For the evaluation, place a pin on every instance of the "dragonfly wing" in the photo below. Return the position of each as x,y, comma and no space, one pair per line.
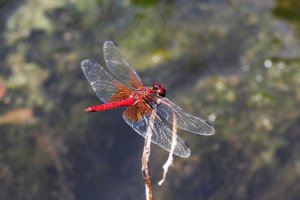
119,67
138,117
105,86
184,120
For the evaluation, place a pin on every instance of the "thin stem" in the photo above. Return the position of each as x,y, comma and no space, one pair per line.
145,159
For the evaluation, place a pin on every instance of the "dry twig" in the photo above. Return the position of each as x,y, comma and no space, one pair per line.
146,155
145,159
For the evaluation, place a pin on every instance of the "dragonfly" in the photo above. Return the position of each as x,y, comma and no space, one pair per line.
119,85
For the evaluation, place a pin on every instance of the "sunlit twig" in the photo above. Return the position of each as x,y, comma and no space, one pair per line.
169,162
145,159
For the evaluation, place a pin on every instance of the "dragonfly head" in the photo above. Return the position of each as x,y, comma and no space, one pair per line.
159,89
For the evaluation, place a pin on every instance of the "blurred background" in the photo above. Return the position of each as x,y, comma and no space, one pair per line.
233,62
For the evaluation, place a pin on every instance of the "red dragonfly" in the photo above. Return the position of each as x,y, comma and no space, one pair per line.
121,86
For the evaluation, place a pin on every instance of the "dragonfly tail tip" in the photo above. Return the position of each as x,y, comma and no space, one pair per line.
89,109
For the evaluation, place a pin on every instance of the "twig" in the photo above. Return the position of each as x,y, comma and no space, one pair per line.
169,162
145,159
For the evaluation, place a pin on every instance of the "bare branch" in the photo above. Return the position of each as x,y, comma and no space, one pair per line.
145,159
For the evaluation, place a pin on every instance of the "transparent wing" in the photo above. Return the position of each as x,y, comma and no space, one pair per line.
138,117
106,87
184,120
119,66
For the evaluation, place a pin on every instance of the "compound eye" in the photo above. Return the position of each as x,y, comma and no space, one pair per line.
161,90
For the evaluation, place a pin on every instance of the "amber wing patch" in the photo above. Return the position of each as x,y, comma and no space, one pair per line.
137,111
122,93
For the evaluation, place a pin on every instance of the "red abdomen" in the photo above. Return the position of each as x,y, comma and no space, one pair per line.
126,102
